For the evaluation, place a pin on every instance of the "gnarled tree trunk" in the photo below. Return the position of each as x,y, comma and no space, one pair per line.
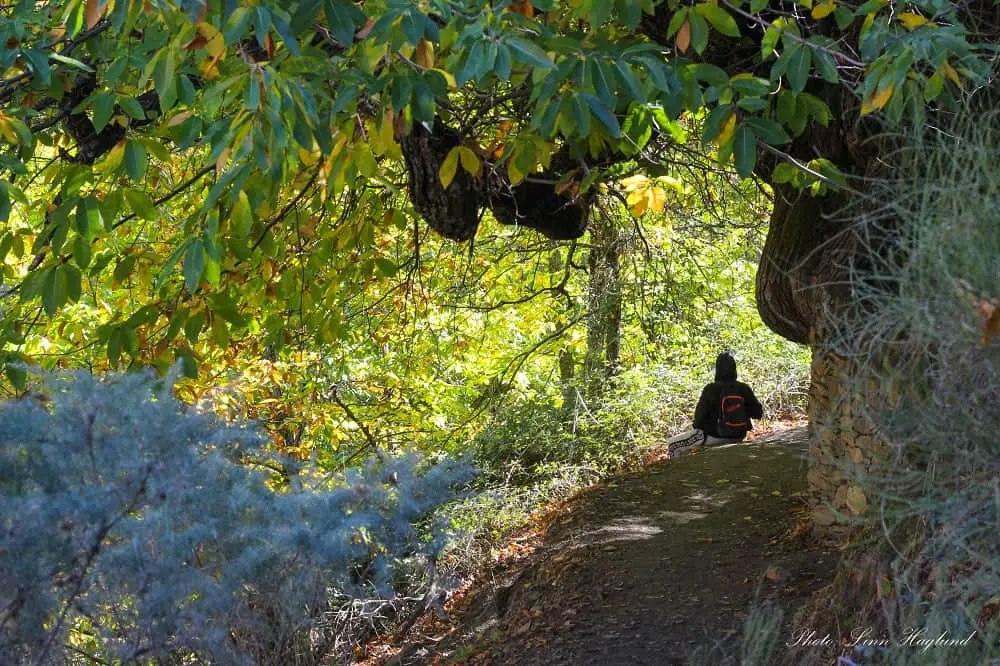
803,287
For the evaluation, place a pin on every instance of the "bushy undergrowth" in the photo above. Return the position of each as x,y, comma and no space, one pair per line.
136,529
925,332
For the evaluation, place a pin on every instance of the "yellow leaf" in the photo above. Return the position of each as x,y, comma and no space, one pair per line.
683,38
950,72
728,129
912,21
675,184
385,131
208,69
115,156
635,182
448,76
424,55
877,100
657,199
470,162
449,167
308,158
823,10
638,201
8,131
514,175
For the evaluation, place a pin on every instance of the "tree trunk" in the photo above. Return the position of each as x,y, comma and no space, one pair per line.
604,303
567,381
803,287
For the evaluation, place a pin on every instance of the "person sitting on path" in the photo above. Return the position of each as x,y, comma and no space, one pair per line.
723,413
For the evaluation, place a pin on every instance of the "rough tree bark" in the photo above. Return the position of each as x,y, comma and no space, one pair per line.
604,306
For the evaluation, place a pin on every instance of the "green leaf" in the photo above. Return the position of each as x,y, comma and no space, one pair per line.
386,267
711,74
752,104
714,123
54,291
220,333
339,18
39,61
783,173
88,217
135,160
16,376
142,205
72,62
81,252
699,31
504,62
602,82
124,268
768,131
529,53
241,216
193,326
676,21
104,108
751,86
223,305
826,66
194,264
629,81
168,266
189,366
769,42
74,286
745,150
115,341
787,106
815,108
798,68
720,19
581,114
603,115
5,205
844,17
131,106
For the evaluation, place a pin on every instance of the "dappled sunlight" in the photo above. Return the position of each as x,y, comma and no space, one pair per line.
714,501
632,528
681,517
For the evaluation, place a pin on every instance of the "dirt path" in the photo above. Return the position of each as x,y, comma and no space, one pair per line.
649,567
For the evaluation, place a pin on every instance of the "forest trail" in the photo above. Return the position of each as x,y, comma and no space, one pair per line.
646,568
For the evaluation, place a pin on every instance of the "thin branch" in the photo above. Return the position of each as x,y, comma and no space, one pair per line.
790,35
372,443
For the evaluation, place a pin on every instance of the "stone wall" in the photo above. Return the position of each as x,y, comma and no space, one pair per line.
843,441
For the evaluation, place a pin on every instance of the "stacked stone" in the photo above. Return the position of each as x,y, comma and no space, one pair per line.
844,442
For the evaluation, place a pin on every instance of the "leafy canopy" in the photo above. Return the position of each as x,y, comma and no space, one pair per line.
198,171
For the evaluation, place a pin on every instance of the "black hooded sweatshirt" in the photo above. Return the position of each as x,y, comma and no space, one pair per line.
706,414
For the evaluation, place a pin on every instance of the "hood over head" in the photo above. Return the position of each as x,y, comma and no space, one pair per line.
725,368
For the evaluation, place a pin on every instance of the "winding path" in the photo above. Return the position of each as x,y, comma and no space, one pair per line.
653,567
